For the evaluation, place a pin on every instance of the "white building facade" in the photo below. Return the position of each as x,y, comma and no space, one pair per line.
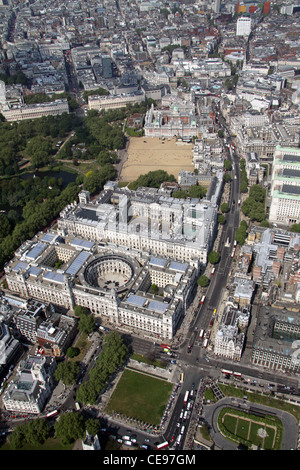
285,189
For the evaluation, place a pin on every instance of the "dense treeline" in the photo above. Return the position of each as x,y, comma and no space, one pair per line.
38,215
70,427
17,78
152,179
194,191
112,356
243,176
99,91
33,139
254,206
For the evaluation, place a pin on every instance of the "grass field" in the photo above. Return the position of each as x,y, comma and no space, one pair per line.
141,397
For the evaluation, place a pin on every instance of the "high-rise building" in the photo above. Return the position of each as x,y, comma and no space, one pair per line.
243,26
216,6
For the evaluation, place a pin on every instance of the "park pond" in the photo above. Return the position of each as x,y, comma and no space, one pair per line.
66,176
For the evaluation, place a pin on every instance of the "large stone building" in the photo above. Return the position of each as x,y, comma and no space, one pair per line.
285,189
32,385
16,110
171,122
98,102
276,340
112,250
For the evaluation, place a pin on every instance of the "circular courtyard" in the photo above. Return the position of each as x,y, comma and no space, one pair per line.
109,272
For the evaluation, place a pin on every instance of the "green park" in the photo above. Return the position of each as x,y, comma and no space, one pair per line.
141,397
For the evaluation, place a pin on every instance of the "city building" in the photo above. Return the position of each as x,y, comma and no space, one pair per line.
231,334
27,320
113,249
243,26
10,348
31,386
276,340
18,111
170,123
285,188
114,101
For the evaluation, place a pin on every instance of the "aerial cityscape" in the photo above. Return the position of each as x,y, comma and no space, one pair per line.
150,226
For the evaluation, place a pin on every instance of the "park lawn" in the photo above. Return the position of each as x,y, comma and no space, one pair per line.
230,423
49,444
141,397
243,428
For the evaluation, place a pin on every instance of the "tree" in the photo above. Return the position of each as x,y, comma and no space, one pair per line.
67,372
79,310
5,226
221,219
196,191
112,356
241,233
213,257
34,433
203,281
86,324
227,165
72,352
92,426
224,207
227,177
152,179
154,289
295,228
70,427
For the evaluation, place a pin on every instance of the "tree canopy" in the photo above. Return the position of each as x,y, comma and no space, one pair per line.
254,206
70,427
112,356
152,179
213,257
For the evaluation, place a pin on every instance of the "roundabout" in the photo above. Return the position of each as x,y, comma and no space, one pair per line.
280,421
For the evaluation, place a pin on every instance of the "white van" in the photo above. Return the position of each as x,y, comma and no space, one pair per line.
182,429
